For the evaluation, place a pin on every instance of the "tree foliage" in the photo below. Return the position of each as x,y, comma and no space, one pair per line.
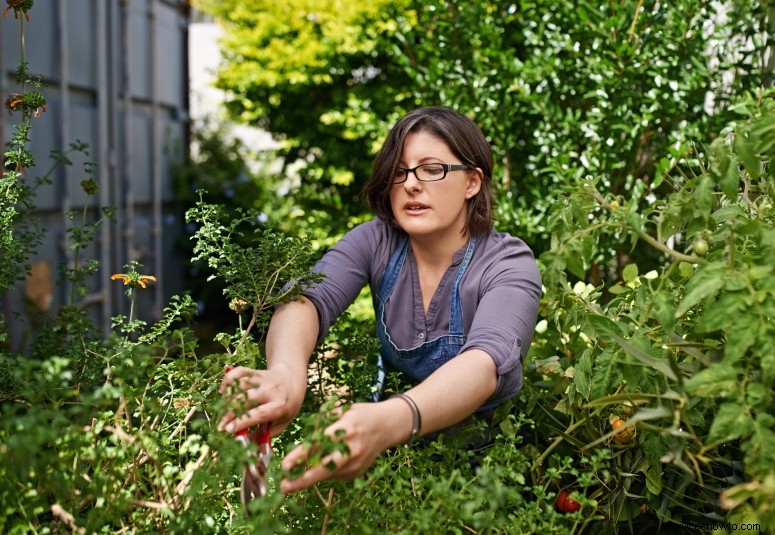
316,75
562,90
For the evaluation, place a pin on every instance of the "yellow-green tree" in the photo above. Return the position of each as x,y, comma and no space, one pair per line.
318,74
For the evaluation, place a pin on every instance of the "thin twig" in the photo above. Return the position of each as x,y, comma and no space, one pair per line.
120,433
181,488
411,477
184,422
63,515
326,504
634,21
148,504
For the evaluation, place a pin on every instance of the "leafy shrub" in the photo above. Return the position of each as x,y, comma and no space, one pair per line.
681,353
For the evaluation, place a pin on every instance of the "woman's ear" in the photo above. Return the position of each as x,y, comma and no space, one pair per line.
474,182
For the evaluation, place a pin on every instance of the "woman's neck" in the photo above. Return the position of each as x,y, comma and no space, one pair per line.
434,253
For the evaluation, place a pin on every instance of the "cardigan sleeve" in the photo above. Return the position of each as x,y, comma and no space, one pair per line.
504,321
347,267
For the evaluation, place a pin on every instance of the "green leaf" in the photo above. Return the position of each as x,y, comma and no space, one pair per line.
760,449
740,337
763,131
723,168
730,181
645,358
767,347
725,313
745,151
706,283
727,212
719,159
582,377
617,289
704,195
607,372
664,310
732,421
630,272
758,395
654,479
603,326
575,264
716,381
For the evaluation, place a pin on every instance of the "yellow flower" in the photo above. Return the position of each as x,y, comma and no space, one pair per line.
135,280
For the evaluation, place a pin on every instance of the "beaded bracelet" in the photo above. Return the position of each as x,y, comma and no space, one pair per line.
416,417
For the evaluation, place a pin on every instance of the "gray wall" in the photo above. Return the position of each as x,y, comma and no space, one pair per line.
116,78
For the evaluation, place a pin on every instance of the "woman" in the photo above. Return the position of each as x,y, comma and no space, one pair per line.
455,301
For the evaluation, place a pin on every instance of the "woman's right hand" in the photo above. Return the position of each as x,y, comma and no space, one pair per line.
268,396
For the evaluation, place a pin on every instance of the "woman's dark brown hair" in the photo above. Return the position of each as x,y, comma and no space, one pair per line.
464,138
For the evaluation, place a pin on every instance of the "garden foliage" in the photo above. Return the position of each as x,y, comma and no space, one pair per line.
648,394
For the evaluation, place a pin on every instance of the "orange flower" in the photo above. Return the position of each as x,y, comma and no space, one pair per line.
14,102
135,280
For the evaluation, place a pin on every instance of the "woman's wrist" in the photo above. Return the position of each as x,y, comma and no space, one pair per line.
416,417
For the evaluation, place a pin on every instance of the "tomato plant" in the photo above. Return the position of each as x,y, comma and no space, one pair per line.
682,336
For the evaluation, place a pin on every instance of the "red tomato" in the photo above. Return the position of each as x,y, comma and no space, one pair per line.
565,503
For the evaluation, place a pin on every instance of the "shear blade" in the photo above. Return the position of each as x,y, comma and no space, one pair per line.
253,485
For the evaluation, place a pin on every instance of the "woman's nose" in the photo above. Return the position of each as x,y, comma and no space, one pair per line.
412,182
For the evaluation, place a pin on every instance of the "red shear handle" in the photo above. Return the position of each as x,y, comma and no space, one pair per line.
262,435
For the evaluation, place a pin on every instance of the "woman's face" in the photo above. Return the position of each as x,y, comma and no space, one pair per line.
432,209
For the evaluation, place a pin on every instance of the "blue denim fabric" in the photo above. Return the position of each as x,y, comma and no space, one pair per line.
418,362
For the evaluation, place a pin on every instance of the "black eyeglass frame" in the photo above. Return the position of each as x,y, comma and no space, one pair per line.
448,167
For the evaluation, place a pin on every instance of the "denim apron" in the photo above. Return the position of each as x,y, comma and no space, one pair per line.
418,362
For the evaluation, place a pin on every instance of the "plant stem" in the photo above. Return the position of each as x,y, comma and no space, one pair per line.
131,306
77,260
665,249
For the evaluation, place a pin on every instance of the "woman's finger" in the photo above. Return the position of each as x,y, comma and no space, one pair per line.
230,375
327,468
242,387
296,457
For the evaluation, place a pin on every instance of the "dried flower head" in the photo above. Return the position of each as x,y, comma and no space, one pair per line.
90,186
18,6
238,305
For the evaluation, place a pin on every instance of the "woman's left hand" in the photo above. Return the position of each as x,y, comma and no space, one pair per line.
369,429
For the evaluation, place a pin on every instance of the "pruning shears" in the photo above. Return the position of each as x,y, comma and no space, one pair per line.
254,484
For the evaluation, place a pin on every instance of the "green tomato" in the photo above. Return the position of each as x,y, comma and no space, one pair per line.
700,247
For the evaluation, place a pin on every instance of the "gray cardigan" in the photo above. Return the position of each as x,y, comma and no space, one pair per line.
500,293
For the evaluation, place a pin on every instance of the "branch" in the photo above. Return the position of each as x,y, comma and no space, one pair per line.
667,250
62,514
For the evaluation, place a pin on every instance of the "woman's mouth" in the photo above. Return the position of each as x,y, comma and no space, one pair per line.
415,207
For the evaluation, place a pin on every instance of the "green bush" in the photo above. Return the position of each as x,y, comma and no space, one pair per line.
683,353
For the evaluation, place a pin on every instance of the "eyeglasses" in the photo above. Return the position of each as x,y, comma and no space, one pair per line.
428,172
